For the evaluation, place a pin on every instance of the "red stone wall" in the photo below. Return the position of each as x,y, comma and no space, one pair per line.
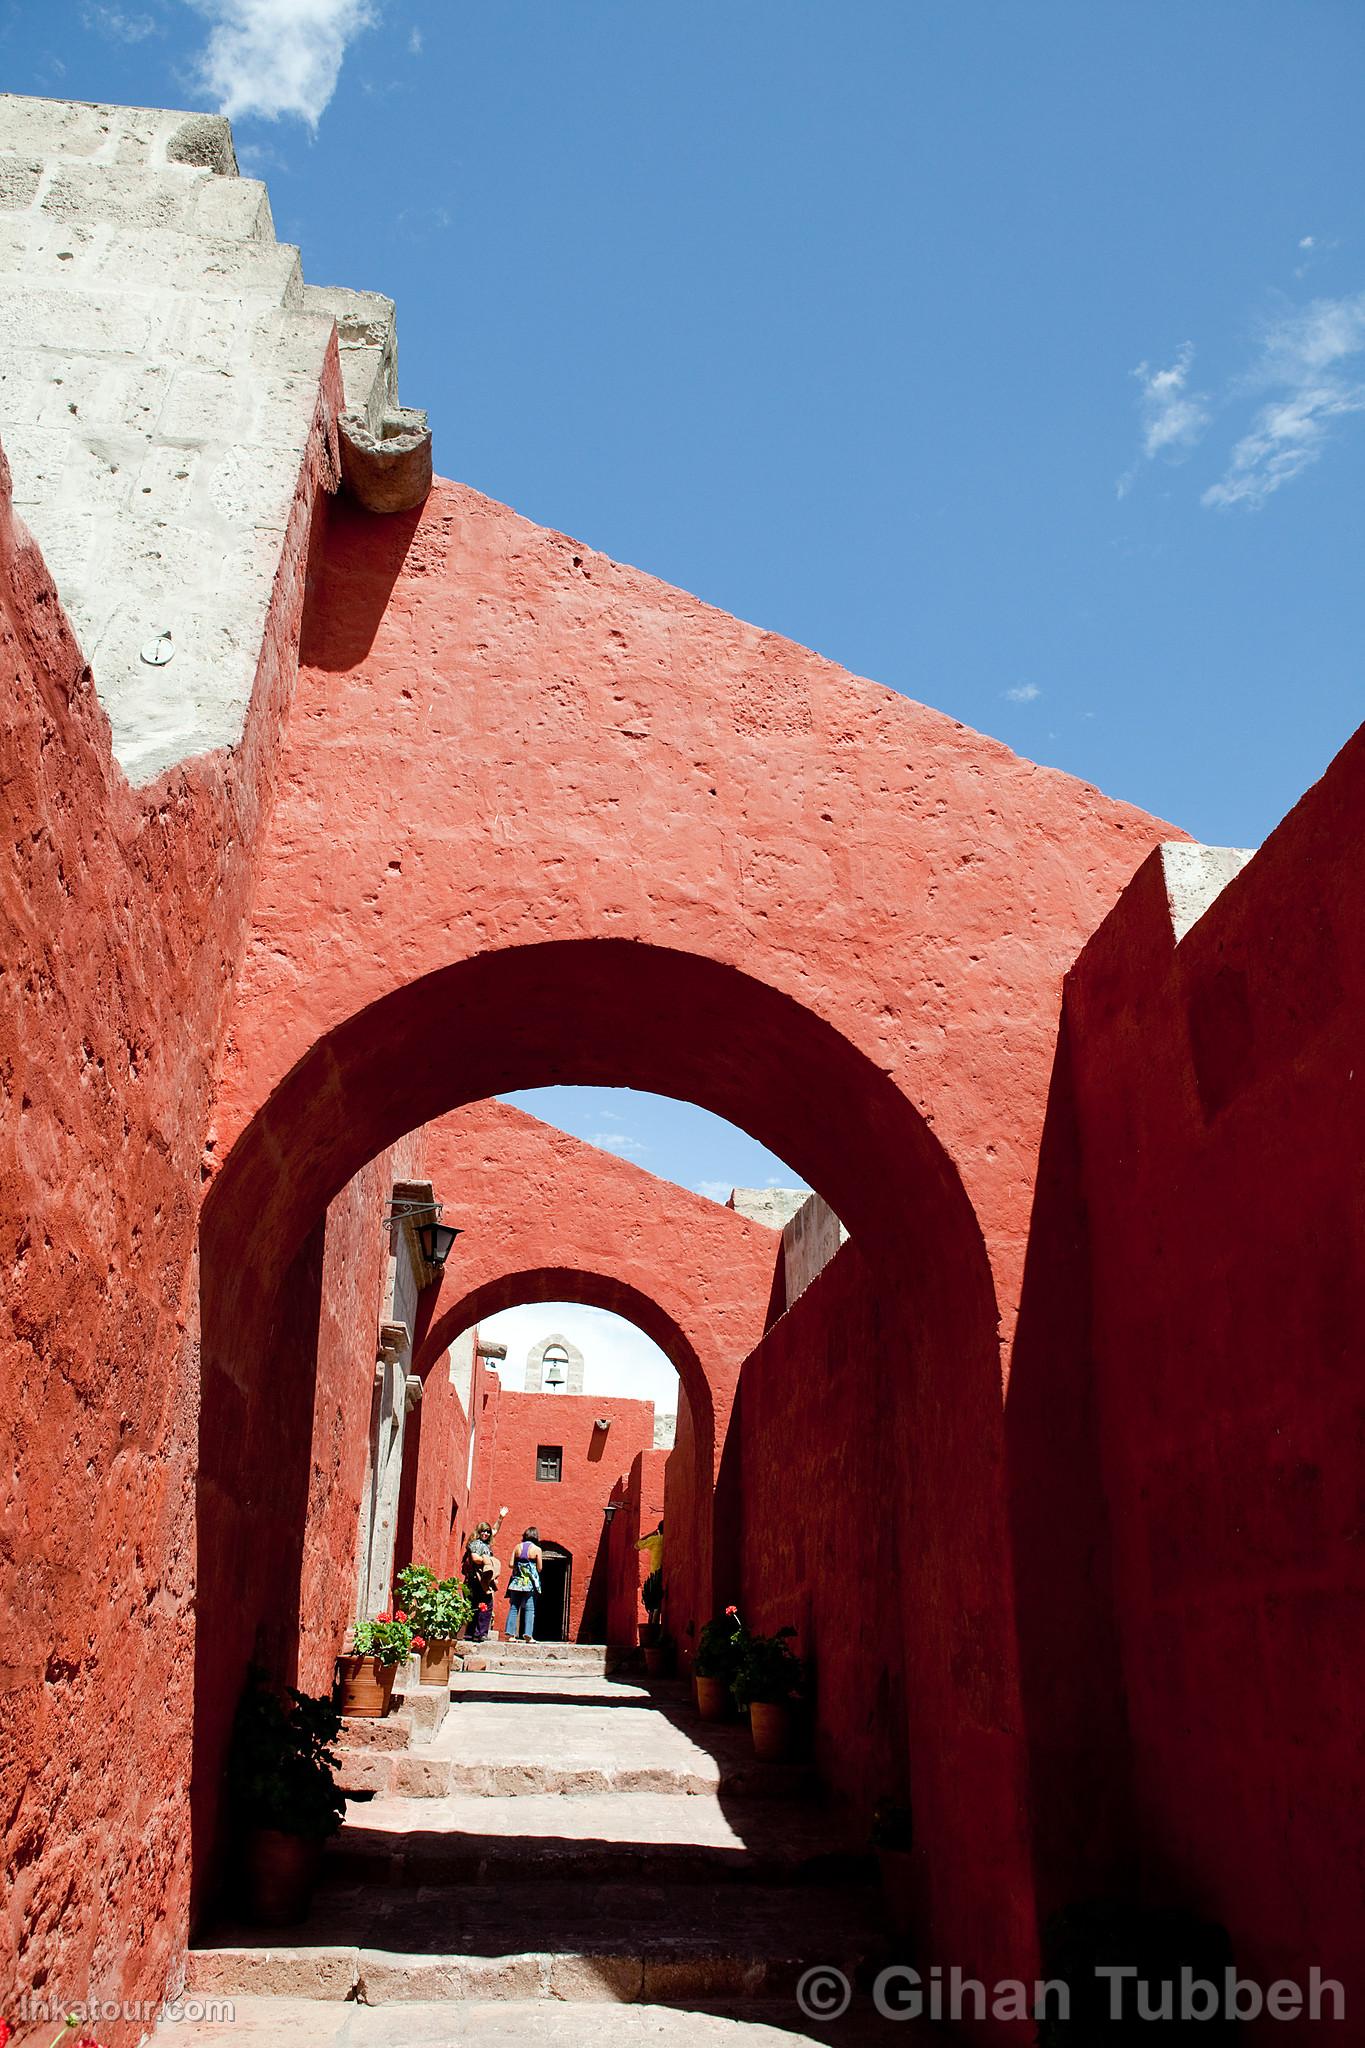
347,1313
820,1540
123,914
569,1512
1221,1095
640,1511
436,1463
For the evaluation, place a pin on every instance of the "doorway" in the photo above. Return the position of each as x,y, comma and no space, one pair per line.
552,1608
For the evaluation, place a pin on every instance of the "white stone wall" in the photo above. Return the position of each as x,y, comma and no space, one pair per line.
773,1207
809,1242
161,365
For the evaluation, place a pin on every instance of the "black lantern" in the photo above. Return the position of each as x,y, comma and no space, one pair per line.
436,1240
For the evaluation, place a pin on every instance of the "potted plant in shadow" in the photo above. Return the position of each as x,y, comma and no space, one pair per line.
439,1611
769,1681
715,1663
893,1839
651,1630
366,1672
284,1797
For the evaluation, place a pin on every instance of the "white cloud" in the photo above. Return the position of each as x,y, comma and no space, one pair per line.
1024,693
715,1190
618,1141
415,42
1307,241
1309,360
112,21
617,1357
1173,416
277,57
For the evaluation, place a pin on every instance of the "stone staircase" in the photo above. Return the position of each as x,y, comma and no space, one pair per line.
562,1836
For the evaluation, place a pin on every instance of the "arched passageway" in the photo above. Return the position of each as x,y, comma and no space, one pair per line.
600,833
671,1022
562,1220
692,1469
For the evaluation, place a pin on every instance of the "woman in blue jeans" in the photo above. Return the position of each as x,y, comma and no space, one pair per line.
523,1586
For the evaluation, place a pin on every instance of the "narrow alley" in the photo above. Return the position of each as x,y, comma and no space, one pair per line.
563,1849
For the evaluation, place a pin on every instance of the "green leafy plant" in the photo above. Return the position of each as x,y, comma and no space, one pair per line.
719,1646
893,1825
768,1670
282,1766
1157,1942
438,1609
389,1638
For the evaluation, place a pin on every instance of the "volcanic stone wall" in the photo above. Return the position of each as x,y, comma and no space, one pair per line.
1219,1081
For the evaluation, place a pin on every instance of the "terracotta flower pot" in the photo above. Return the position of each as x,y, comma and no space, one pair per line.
770,1723
436,1662
364,1687
280,1872
713,1698
656,1659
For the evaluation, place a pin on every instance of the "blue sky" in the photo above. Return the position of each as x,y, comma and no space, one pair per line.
1011,354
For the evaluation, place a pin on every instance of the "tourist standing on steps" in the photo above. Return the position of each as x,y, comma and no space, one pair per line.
480,1570
523,1587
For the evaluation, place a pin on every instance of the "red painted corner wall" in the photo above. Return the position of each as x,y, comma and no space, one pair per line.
571,1511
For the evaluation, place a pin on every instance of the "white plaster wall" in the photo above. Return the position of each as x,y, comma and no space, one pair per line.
160,371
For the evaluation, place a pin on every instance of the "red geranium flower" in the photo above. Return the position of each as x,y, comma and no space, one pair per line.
6,2032
385,1616
89,2041
732,1610
419,1642
400,1616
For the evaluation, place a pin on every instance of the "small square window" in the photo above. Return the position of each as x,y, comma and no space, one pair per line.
549,1461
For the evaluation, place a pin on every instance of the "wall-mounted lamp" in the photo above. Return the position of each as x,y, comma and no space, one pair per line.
603,1423
435,1238
610,1509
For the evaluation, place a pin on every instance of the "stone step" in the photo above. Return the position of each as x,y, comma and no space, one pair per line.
553,1940
395,1770
614,1837
580,2022
499,1655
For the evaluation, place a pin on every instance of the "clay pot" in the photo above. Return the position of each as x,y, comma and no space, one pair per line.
770,1724
899,1889
713,1698
656,1659
436,1662
364,1687
279,1873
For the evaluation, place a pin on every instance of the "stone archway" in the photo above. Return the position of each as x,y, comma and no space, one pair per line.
651,1018
600,833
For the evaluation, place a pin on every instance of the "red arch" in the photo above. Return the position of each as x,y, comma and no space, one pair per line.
596,832
616,1012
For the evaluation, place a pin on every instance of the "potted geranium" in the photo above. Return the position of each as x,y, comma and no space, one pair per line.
439,1611
893,1838
715,1664
769,1679
366,1672
283,1794
68,2028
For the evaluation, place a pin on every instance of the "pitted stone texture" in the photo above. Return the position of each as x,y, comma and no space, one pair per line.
1196,877
244,1971
163,372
